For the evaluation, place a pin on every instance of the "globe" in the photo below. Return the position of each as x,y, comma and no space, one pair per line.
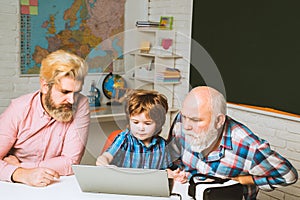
112,86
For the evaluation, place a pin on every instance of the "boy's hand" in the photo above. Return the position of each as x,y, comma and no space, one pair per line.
178,175
104,159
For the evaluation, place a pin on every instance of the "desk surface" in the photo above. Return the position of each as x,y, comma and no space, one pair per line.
68,188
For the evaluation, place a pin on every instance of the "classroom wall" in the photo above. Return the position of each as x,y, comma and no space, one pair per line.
12,85
283,134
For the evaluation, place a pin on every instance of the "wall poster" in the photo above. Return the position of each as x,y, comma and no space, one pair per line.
91,29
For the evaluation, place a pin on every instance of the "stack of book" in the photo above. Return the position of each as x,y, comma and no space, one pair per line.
146,24
170,75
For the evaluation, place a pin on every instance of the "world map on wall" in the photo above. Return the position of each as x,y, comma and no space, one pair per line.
89,28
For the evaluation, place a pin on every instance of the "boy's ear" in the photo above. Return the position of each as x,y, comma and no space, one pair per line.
220,121
44,86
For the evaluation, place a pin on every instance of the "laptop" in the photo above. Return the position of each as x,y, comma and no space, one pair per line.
127,181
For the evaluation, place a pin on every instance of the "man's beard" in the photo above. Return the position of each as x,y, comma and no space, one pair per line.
202,142
62,113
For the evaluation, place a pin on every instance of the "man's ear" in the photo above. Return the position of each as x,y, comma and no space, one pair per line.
220,121
44,86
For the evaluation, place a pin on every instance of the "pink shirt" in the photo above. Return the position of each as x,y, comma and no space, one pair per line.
37,140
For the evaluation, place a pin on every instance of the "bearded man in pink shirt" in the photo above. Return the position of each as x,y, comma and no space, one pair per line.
43,133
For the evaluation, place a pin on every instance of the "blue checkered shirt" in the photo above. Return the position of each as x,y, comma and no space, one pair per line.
128,151
241,152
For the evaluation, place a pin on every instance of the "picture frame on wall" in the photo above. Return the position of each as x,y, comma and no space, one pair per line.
166,22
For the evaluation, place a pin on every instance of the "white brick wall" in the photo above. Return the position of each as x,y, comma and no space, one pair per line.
11,85
283,134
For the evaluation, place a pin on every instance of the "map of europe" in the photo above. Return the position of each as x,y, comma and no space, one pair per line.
91,29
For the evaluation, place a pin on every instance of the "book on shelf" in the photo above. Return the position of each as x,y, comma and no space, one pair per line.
147,24
168,75
167,80
172,71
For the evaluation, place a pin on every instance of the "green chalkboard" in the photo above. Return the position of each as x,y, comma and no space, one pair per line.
256,47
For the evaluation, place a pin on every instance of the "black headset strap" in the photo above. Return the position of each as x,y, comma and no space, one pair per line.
215,179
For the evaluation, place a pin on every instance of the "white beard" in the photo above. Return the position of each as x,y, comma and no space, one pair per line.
201,142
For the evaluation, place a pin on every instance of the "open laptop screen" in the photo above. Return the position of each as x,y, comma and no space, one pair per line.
117,180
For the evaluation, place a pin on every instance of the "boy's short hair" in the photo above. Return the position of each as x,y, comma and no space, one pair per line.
150,102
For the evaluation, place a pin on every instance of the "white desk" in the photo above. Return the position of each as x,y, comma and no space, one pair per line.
67,188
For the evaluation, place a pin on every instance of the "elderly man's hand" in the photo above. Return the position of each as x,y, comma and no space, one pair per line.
178,175
244,180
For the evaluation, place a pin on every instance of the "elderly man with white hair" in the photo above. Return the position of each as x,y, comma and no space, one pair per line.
208,141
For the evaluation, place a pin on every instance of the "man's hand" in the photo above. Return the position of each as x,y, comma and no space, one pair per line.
244,180
38,177
12,160
178,175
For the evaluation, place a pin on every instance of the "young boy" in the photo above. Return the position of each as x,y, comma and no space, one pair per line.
140,145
